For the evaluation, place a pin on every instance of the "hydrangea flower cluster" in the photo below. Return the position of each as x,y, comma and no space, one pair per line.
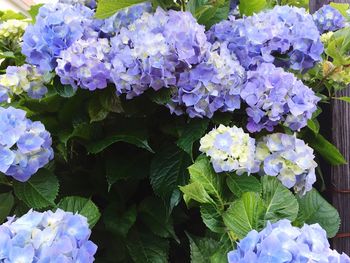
25,146
288,158
57,27
154,49
214,84
88,3
274,96
328,18
85,64
124,18
26,78
230,149
11,31
55,237
283,243
284,35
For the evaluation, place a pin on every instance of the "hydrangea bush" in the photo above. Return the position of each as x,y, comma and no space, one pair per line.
169,131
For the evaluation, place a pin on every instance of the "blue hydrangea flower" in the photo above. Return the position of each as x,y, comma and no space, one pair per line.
283,243
124,18
230,149
85,64
56,28
288,158
284,35
25,146
274,96
328,18
25,78
88,3
55,237
154,49
212,85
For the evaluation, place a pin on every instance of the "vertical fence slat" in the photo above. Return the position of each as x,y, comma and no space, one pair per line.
340,175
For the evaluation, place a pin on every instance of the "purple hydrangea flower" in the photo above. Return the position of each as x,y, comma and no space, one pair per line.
283,243
124,18
153,50
25,146
57,27
230,149
214,84
88,3
284,35
56,237
288,158
328,18
85,64
25,78
275,96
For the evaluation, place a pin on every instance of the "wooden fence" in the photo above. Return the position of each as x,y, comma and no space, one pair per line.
340,175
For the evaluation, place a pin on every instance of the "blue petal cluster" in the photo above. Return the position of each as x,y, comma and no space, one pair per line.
85,64
288,158
328,18
88,3
153,50
212,85
283,243
124,18
285,36
274,96
55,237
25,146
57,27
25,78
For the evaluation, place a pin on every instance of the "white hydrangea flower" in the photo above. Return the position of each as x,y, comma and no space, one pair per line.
230,149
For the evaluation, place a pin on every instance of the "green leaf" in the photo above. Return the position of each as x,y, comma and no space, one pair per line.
193,132
207,12
147,248
240,184
195,191
245,214
9,14
168,171
202,172
119,222
202,249
249,7
6,204
212,219
313,208
346,99
7,54
154,215
161,97
33,11
279,201
65,91
99,145
82,206
106,8
96,111
327,150
39,191
314,125
126,165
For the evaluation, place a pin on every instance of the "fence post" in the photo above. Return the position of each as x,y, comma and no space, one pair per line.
340,175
